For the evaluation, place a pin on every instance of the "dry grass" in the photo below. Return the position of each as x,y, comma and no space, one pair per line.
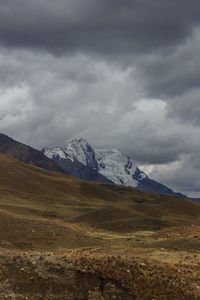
143,278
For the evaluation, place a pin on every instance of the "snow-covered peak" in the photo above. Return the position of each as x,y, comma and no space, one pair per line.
55,152
108,161
115,166
78,148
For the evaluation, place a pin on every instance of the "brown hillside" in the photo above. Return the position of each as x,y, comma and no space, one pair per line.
50,210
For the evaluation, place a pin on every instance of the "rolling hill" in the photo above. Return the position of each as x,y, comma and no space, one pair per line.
44,209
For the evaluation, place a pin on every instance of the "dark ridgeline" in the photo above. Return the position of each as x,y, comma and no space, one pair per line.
27,154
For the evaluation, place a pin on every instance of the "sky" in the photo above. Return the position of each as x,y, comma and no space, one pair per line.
118,72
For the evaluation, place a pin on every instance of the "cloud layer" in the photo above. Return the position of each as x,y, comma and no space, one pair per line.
125,73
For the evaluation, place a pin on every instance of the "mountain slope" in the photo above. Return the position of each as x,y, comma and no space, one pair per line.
38,201
106,161
26,154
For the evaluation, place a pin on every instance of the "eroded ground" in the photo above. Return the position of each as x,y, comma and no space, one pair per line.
159,265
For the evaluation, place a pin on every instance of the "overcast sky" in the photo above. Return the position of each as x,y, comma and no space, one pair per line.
119,72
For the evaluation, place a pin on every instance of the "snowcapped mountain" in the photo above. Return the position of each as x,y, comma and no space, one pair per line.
78,158
104,164
107,161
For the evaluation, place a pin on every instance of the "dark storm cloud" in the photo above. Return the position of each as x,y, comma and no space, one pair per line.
173,73
186,108
160,38
113,26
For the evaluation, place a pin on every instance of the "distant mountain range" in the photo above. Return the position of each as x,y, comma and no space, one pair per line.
105,164
78,158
